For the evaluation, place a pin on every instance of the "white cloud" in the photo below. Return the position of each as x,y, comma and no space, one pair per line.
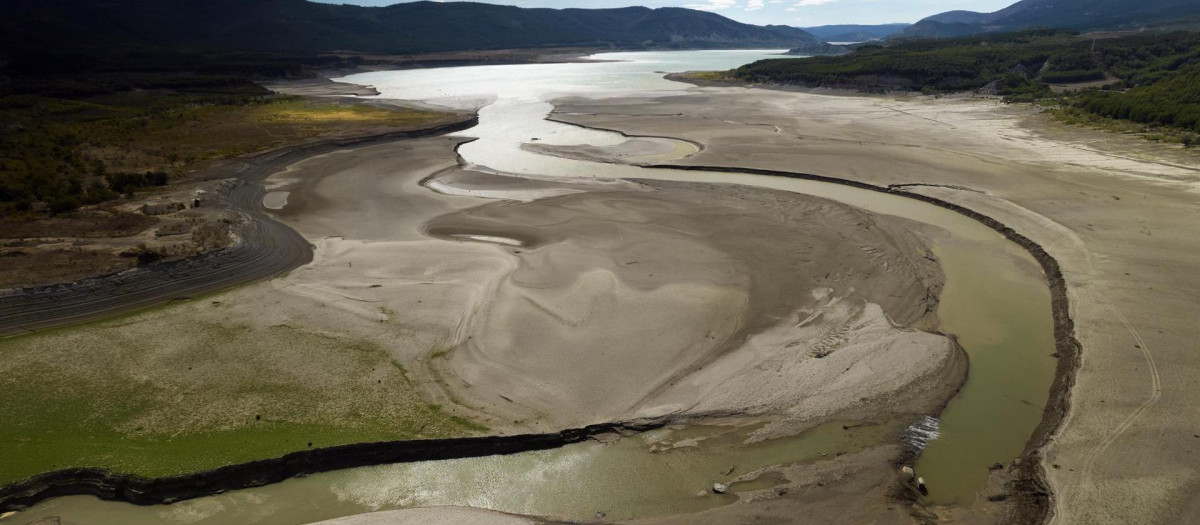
713,5
754,5
816,12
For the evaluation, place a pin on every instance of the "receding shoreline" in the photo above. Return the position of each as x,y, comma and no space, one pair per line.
269,248
1037,496
1033,497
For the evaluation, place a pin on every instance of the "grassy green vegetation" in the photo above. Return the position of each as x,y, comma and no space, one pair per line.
1157,75
186,387
58,153
708,76
1163,87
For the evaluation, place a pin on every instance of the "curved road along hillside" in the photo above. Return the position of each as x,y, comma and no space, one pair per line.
267,248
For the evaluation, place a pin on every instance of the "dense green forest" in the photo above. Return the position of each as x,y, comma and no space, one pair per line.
1155,78
940,65
300,26
59,151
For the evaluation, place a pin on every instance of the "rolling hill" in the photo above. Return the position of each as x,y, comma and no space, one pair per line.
1070,14
854,33
299,26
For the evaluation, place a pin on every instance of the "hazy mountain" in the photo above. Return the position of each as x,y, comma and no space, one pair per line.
299,26
1073,14
853,32
957,17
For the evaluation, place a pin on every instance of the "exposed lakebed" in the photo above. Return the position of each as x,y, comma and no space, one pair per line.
995,301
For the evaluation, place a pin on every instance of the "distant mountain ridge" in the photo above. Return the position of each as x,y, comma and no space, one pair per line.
854,32
299,26
1070,14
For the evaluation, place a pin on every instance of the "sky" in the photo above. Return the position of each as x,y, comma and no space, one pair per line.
785,12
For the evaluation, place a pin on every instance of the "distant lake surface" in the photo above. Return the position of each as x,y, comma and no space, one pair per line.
475,86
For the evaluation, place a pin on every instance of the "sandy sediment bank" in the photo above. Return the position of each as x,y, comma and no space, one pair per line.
633,150
1111,210
564,273
594,266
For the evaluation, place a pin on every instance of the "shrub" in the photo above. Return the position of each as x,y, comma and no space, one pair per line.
129,182
63,204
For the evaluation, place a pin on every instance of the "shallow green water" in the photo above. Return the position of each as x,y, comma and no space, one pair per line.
1002,317
996,302
657,473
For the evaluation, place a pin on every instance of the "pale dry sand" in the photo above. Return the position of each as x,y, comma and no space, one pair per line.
562,305
656,301
635,150
566,304
1120,214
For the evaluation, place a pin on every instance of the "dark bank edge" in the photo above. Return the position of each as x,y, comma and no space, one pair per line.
108,485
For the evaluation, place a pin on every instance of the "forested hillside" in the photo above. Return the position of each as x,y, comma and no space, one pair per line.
1155,77
300,26
855,32
1069,14
929,65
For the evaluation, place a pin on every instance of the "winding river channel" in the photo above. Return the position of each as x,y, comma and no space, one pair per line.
995,301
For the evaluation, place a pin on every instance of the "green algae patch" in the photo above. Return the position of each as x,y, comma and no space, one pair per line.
118,394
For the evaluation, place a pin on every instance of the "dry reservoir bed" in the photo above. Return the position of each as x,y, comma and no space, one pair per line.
435,313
